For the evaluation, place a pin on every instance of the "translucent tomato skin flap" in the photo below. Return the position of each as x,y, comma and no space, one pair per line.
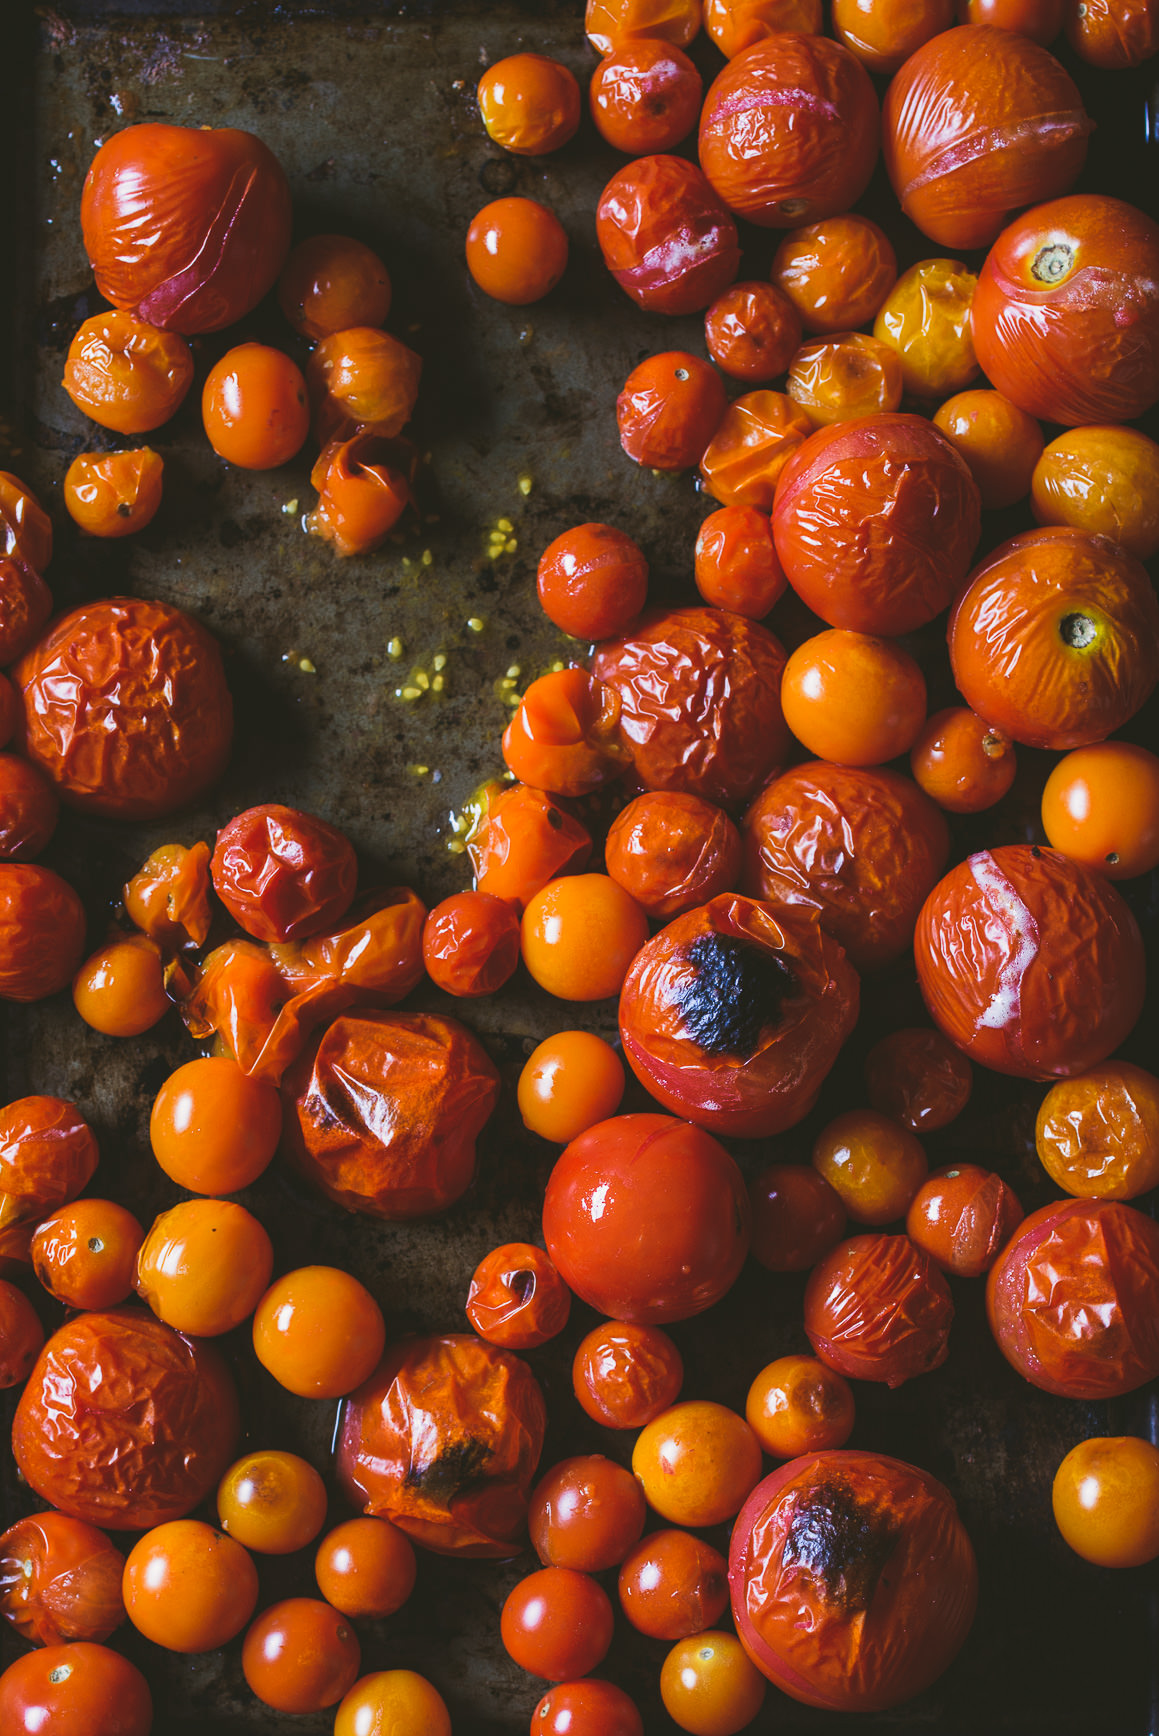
700,707
524,839
853,1581
168,897
733,1015
647,1219
563,737
60,1580
186,227
789,130
25,527
364,487
75,1690
1029,963
666,236
876,522
443,1440
1073,1301
125,1423
517,1298
48,1155
383,1111
877,1308
42,931
283,875
863,848
25,605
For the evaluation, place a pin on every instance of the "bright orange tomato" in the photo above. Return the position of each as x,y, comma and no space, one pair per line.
319,1332
1097,1135
530,104
516,250
1000,443
853,699
85,1254
798,1405
189,1588
272,1502
254,407
127,375
120,990
203,1266
568,1083
873,1164
608,24
214,1128
580,934
113,494
925,318
1100,806
836,273
393,1703
1106,1500
697,1463
1101,479
709,1686
884,33
366,1568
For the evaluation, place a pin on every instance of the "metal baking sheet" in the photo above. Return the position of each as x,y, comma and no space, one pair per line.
371,111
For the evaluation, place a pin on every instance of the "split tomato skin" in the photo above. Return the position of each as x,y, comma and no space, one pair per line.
60,1580
666,236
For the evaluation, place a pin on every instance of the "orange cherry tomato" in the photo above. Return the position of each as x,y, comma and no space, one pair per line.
925,318
203,1266
188,1587
522,840
254,407
319,1332
797,1217
673,851
113,494
668,410
85,1254
530,104
580,935
586,1513
737,24
120,990
331,283
568,1083
884,33
919,1078
697,1463
168,897
752,331
608,24
25,606
517,1298
645,96
21,1335
366,1568
963,1217
709,1686
624,1374
1001,443
962,762
1104,480
753,442
28,808
1100,806
75,1688
875,1165
1105,1497
213,1128
797,1405
364,487
471,943
60,1580
557,1623
362,380
839,377
273,1502
301,1656
398,1702
516,250
852,699
25,527
127,375
1114,33
586,1708
1097,1135
563,737
673,1584
836,273
1041,20
592,581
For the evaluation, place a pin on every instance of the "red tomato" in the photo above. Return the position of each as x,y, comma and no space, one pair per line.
188,227
673,1584
587,1708
1114,33
47,1155
668,410
332,283
60,1580
1041,20
624,1374
75,1690
873,1550
517,1298
736,562
471,943
586,1513
592,581
646,1218
25,605
666,236
963,1217
919,1078
10,710
671,852
300,1656
645,96
516,251
877,1308
797,1217
962,762
283,875
557,1623
752,331
42,932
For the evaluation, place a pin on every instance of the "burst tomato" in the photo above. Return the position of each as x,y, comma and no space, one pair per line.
666,236
47,1155
25,605
364,487
645,96
60,1580
754,440
517,1299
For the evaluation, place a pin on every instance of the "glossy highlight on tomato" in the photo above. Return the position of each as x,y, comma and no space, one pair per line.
624,1374
668,410
42,931
126,375
963,1217
73,1689
516,250
517,1298
877,1308
1097,1135
645,96
60,1580
666,236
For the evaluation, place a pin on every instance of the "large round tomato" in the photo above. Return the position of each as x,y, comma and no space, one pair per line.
853,1580
665,235
877,1308
1029,962
646,1218
75,1690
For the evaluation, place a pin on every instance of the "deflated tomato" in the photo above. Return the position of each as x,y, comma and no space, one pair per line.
645,97
364,487
127,375
524,839
443,1440
471,943
517,1298
754,441
877,1308
671,852
918,1078
21,1335
25,605
853,1581
666,236
1114,33
283,875
362,379
669,409
377,953
60,1580
563,736
168,897
42,931
125,1423
734,1014
47,1156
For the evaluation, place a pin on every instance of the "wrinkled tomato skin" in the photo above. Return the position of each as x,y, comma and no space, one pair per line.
471,943
733,1015
10,711
525,838
671,852
875,523
1114,33
48,1154
862,847
1030,963
383,1110
789,130
517,1298
977,123
126,375
624,1375
60,1580
665,235
362,379
443,1440
75,1690
187,227
700,707
283,875
754,440
1066,314
25,605
21,1335
645,97
1073,1301
125,1423
669,409
963,1217
42,932
126,708
853,1581
647,1219
168,897
364,487
877,1308
918,1078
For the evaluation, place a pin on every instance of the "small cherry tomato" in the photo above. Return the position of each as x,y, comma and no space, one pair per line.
925,318
42,932
517,1298
25,527
963,1217
557,1623
672,852
961,762
254,407
272,1502
624,1374
523,839
752,332
836,273
1098,1135
364,380
516,250
189,1588
570,1082
28,808
364,487
736,562
21,1335
25,606
754,441
563,737
877,1308
366,1568
204,1266
608,24
673,1584
586,1513
300,1656
587,1708
283,875
645,96
580,935
331,283
471,943
797,1405
917,1077
842,376
85,1254
874,1164
853,699
529,104
1001,444
60,1580
709,1686
127,375
47,1155
592,581
75,1690
213,1128
666,236
668,410
1103,480
1041,20
319,1332
393,1703
113,494
797,1217
1100,807
697,1463
1106,1500
120,990
884,33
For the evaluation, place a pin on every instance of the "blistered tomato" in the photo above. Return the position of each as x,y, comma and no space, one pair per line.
752,331
645,96
1097,1135
113,494
530,104
925,319
837,272
666,236
843,376
127,375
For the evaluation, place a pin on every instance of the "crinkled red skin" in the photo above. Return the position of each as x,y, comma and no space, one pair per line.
775,1084
666,236
1030,963
517,1298
877,1308
47,1157
60,1580
853,1581
28,809
443,1440
963,1217
471,943
1073,1301
125,1423
646,1218
25,605
672,851
283,875
42,931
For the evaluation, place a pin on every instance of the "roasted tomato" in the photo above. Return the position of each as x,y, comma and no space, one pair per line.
837,272
797,1405
625,1374
522,840
376,954
25,605
1097,1136
1102,480
610,23
332,283
673,1584
362,380
563,737
21,1335
1105,1497
443,1440
85,1254
700,707
1041,20
672,852
1000,443
853,699
126,708
471,943
668,410
517,1298
592,581
797,1217
976,124
557,1623
60,1580
364,487
853,1580
204,1266
1114,33
559,937
47,1155
844,376
646,1219
10,710
75,1688
1030,963
569,1082
383,1111
125,1423
874,1165
320,1333
919,1078
752,331
516,250
877,1308
736,562
925,318
789,130
283,875
1066,313
963,1217
28,809
42,931
734,1014
187,227
863,848
697,1462
253,407
666,236
876,522
168,897
127,375
114,494
645,96
754,440
1073,1301
883,33
588,1707
962,762
529,104
25,527
1056,639
736,24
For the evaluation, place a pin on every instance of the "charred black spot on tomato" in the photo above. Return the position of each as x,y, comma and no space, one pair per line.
733,992
460,1465
842,1542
